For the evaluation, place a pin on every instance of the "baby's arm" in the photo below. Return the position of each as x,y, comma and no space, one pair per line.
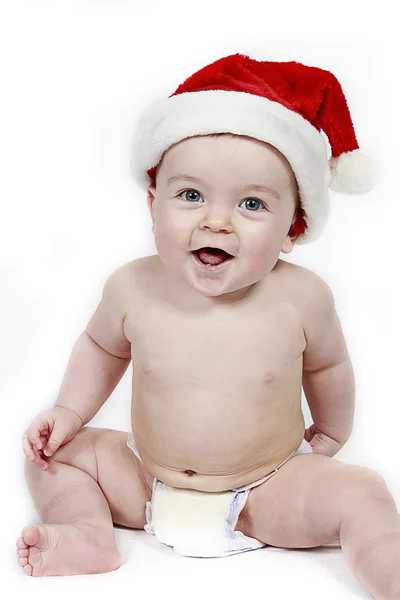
328,378
101,354
98,360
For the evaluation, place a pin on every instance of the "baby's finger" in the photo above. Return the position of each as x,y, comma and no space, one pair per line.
33,455
35,435
27,448
39,461
42,442
37,430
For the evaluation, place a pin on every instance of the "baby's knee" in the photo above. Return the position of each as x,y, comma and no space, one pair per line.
78,452
363,486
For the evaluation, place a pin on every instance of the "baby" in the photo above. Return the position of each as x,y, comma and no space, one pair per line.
222,335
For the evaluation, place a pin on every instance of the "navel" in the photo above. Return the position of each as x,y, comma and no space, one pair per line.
190,472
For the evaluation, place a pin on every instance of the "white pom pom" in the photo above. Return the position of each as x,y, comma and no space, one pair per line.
352,173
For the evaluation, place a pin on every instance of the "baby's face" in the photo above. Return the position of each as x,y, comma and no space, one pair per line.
222,209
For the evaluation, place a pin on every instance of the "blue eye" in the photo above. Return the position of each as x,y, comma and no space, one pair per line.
252,200
190,191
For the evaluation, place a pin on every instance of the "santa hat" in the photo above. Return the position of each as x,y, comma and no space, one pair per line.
286,104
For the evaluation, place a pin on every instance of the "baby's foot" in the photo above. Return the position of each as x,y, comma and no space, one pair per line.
67,550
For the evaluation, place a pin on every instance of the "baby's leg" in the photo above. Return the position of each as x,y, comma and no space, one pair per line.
78,536
315,499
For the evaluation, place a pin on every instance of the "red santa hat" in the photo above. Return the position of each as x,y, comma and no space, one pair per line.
286,104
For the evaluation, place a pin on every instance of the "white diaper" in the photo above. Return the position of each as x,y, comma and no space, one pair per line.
201,524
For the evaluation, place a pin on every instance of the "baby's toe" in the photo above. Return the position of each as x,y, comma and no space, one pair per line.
22,561
30,535
21,543
28,569
22,552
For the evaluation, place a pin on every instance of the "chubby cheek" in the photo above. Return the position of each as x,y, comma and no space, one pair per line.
170,237
260,256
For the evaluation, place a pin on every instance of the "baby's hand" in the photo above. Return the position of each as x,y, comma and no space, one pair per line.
47,432
320,442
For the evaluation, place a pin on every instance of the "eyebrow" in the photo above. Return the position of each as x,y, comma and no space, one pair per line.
253,186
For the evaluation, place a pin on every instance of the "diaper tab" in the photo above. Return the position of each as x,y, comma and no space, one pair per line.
149,513
149,527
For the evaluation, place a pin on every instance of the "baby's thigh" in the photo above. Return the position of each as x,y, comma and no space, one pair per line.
103,454
303,504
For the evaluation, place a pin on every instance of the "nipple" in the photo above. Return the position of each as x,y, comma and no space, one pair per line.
190,472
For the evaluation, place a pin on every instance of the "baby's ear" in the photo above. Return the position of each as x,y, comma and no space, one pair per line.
290,240
288,244
152,189
292,234
151,192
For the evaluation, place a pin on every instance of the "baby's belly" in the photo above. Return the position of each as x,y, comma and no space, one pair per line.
214,443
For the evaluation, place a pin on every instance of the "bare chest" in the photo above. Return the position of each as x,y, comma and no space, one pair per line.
252,340
225,352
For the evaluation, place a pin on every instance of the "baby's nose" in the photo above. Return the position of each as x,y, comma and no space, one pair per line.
218,222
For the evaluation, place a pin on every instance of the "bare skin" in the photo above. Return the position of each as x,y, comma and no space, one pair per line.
339,498
242,418
217,374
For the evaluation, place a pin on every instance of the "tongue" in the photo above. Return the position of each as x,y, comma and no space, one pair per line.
212,257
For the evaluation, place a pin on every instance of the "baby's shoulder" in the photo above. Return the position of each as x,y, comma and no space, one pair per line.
309,290
303,280
131,277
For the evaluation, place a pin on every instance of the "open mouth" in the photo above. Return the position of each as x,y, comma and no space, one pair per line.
211,258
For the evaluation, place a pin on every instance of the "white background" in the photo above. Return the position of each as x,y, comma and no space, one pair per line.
74,76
